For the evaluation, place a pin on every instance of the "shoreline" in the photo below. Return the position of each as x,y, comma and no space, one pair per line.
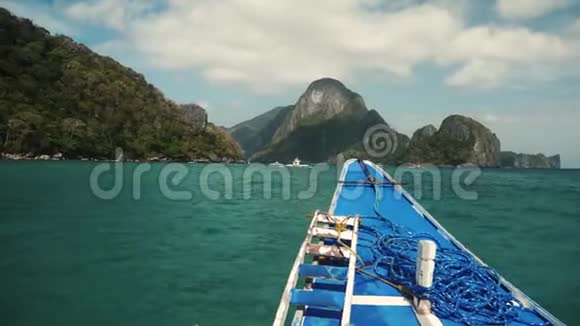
59,158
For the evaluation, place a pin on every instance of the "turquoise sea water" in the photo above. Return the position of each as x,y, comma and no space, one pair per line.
70,258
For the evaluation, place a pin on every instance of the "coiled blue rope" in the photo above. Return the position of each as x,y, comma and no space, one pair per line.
463,290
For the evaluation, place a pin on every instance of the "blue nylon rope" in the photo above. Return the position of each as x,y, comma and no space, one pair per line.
462,291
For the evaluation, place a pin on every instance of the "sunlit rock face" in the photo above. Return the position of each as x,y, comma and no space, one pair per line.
195,115
324,99
486,145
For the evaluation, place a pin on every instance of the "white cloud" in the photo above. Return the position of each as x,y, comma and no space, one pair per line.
491,118
479,73
271,45
526,9
493,56
261,44
123,52
115,14
41,14
508,44
575,27
203,103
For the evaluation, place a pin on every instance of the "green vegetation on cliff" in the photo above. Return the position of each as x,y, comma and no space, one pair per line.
256,133
321,142
440,150
328,119
459,140
538,161
59,96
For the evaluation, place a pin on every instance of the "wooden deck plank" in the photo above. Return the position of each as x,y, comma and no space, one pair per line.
379,300
327,251
317,298
331,233
333,272
322,218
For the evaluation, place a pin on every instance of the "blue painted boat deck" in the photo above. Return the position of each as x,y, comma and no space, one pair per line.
353,199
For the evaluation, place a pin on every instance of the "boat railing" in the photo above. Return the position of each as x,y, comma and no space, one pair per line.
320,228
282,311
345,320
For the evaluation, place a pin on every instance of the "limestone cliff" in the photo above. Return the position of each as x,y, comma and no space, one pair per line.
485,144
58,97
327,119
325,99
254,134
536,161
195,115
459,140
423,133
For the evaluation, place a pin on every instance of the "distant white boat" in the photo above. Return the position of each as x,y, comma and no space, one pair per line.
298,164
278,164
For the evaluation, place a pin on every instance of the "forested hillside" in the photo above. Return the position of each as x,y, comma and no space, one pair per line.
57,96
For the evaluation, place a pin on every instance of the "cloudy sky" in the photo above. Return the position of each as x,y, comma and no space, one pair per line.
512,64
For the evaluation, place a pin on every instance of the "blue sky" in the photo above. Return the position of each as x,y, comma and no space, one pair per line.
513,65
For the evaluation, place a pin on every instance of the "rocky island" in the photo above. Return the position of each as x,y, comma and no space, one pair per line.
525,161
330,119
327,119
459,140
60,100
